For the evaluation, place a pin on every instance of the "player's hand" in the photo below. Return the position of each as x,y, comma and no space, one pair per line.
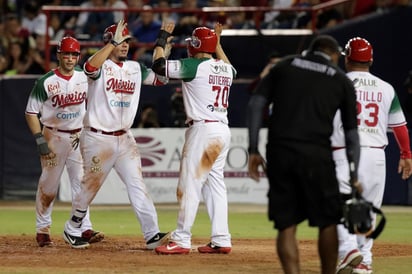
405,168
218,31
168,26
357,186
168,47
256,160
119,36
164,34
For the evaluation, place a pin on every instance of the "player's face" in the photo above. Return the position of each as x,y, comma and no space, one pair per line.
68,60
120,52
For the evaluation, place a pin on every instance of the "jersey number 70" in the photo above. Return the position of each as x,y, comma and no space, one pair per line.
222,93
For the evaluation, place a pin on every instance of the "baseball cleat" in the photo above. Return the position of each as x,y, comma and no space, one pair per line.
92,236
75,242
352,259
362,269
43,239
157,240
214,249
171,249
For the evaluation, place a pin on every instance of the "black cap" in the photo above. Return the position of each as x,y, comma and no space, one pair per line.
324,43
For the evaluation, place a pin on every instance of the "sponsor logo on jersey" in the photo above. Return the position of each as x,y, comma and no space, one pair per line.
64,100
120,86
217,69
151,150
119,104
215,109
53,88
67,116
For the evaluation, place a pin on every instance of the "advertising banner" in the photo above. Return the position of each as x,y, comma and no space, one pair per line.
161,150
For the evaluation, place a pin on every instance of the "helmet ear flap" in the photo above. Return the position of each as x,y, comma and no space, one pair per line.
107,37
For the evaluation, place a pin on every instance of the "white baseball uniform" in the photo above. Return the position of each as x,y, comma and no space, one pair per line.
106,142
60,100
378,109
205,88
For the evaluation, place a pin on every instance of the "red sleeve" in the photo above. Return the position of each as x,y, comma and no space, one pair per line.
402,138
89,68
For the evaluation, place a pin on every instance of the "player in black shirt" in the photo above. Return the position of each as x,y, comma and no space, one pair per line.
306,91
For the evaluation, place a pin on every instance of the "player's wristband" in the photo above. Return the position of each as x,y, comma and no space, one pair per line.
41,142
114,43
161,40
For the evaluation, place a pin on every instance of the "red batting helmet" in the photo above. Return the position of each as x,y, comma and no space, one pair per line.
203,40
68,44
110,31
359,50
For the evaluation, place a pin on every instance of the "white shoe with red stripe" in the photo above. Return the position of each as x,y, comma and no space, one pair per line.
362,269
351,260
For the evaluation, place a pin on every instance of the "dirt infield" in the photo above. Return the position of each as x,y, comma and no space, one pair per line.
127,255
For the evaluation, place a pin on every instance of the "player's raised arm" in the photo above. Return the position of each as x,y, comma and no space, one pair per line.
219,50
113,36
162,47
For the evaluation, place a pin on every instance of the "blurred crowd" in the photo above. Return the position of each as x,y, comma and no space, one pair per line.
23,24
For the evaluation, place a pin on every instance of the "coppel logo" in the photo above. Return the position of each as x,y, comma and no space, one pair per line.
151,150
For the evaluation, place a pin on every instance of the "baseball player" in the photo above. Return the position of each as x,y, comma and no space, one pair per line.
106,142
206,85
378,108
59,98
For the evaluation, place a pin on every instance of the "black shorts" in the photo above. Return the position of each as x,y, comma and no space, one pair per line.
302,185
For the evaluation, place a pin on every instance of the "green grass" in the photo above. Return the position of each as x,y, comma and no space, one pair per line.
244,221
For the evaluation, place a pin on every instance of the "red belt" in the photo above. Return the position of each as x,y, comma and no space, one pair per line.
72,131
190,123
112,133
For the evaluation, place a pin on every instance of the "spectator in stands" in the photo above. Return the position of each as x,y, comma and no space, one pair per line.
186,23
18,61
272,15
213,17
146,31
33,19
94,23
117,4
166,16
37,54
133,16
256,17
238,20
13,31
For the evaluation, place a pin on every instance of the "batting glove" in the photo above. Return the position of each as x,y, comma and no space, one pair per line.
119,36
